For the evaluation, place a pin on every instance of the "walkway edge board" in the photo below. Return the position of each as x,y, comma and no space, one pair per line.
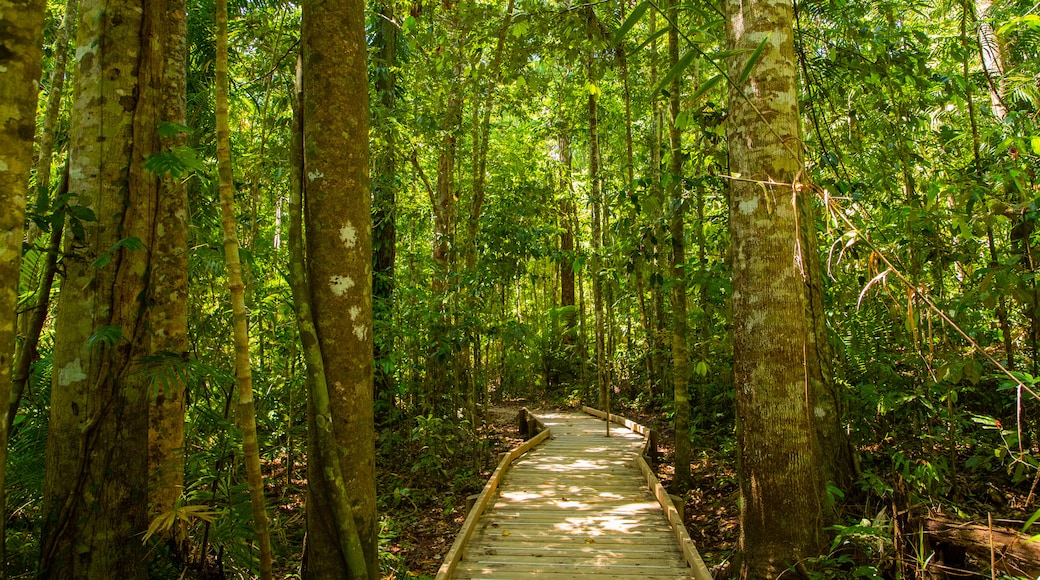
451,561
689,548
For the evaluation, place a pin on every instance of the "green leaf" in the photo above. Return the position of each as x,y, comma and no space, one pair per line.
677,69
752,60
652,38
1035,142
1031,521
631,21
701,369
107,335
169,129
706,86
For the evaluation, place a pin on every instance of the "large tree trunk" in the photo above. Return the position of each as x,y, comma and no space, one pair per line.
21,39
96,482
339,251
773,334
680,353
246,411
169,321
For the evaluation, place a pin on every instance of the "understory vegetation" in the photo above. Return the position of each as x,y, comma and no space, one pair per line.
491,201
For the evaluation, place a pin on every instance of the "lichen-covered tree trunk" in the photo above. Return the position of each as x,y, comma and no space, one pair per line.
320,423
246,411
339,270
21,40
677,229
780,480
96,482
169,321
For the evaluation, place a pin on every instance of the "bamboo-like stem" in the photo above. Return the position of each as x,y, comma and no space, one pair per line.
246,415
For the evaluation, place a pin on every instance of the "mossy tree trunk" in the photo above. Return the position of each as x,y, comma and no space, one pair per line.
774,331
169,321
21,41
109,314
339,271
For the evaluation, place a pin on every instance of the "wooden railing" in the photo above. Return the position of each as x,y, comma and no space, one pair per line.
686,544
451,561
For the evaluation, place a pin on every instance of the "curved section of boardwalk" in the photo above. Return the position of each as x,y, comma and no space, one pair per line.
576,505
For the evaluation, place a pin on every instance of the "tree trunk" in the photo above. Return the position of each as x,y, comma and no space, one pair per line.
344,531
339,250
677,229
443,253
992,58
596,193
384,201
169,322
21,41
774,335
246,412
96,482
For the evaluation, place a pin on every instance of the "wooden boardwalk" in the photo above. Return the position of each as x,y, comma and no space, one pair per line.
576,504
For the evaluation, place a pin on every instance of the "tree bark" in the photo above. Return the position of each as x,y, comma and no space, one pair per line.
339,250
21,42
319,415
169,322
95,487
774,337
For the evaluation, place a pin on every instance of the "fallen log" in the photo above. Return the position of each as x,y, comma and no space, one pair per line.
1010,551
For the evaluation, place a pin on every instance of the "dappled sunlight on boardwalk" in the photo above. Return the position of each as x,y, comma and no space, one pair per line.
577,505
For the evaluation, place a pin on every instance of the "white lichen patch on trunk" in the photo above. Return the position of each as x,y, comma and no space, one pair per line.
354,312
340,284
71,373
360,332
348,235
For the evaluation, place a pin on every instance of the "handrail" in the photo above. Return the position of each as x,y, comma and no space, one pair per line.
686,543
457,548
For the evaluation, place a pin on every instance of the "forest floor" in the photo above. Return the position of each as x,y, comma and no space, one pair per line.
711,511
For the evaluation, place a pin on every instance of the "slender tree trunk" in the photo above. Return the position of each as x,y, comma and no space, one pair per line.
339,251
444,250
384,200
992,58
596,193
570,317
775,349
657,192
677,229
246,412
21,42
50,119
26,351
